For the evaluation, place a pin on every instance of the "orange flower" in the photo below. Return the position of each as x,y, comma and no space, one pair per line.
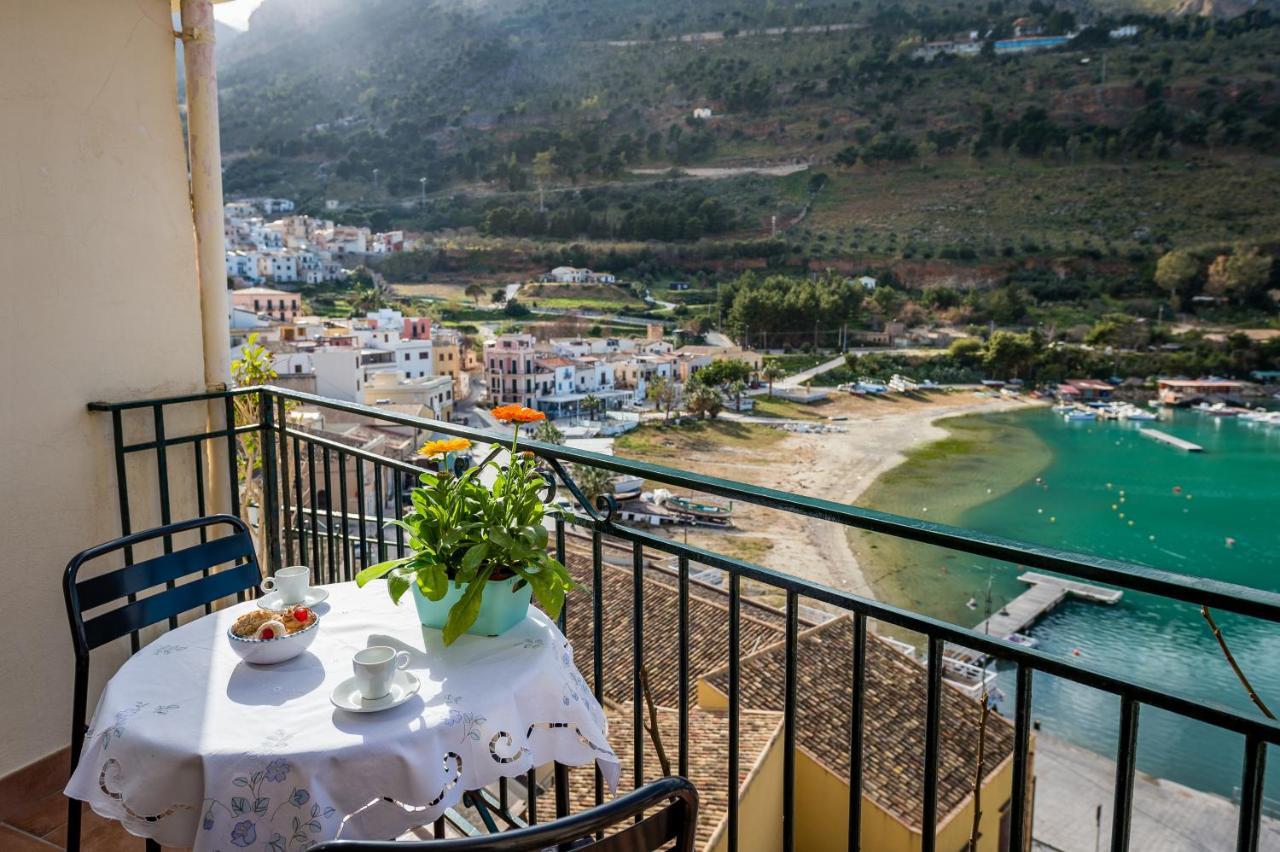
517,414
448,445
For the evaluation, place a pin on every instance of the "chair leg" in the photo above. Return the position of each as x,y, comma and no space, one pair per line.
78,730
152,846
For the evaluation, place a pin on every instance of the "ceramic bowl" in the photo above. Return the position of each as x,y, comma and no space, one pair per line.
264,652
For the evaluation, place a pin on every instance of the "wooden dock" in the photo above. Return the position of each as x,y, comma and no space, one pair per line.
1045,593
1166,438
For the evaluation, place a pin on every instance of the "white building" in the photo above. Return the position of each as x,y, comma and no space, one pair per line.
435,392
574,275
243,264
278,266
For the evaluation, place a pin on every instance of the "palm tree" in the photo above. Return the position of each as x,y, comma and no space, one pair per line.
590,404
704,401
593,481
547,432
736,389
474,292
772,372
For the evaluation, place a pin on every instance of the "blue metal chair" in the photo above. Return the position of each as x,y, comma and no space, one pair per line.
132,613
675,820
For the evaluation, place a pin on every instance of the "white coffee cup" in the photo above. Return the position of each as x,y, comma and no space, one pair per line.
292,583
375,667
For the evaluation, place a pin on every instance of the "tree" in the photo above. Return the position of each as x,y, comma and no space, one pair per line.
543,169
1241,275
723,371
499,296
1176,272
590,404
253,367
967,351
592,481
736,388
772,372
662,393
369,298
1009,353
704,401
474,292
548,433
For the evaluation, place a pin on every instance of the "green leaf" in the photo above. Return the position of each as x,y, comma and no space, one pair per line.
397,585
373,572
463,614
475,555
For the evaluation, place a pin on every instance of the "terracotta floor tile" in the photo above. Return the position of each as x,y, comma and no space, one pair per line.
12,840
98,834
41,816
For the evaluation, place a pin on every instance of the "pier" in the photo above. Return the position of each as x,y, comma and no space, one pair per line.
1166,438
1045,593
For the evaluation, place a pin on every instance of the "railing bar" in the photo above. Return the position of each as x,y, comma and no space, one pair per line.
162,475
233,453
502,794
637,663
683,562
1021,756
329,536
560,557
197,459
932,731
267,517
856,713
297,499
311,503
172,400
1255,767
735,705
282,418
789,725
122,492
1126,763
378,510
399,512
144,446
531,797
364,529
1224,596
597,629
346,519
356,452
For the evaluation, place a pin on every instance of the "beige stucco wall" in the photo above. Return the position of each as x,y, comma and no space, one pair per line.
101,302
760,806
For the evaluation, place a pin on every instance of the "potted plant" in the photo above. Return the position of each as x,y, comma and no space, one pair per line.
478,551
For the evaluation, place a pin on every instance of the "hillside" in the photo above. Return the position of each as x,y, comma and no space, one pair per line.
558,121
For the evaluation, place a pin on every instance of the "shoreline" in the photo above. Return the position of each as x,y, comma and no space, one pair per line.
881,434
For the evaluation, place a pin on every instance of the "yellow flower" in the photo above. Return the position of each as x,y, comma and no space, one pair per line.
448,445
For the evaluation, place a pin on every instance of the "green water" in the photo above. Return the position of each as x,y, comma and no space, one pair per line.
1031,476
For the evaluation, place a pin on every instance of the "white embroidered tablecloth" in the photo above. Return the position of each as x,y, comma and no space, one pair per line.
192,747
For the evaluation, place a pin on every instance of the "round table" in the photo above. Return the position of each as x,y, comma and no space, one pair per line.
192,747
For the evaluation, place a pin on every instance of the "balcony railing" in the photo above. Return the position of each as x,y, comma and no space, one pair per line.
299,465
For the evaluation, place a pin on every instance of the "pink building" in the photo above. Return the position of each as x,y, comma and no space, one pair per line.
416,328
277,304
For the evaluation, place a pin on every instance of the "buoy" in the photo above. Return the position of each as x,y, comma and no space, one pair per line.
1122,515
1075,652
924,509
1177,489
1231,542
1121,499
1053,519
1188,496
1108,486
1039,511
1114,507
1121,492
1130,523
1151,538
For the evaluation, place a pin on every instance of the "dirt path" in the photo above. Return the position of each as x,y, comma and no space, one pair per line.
836,467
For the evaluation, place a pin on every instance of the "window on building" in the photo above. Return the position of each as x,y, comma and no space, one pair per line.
423,355
297,368
406,356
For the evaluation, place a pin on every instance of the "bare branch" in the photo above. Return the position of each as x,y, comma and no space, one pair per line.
652,726
1226,652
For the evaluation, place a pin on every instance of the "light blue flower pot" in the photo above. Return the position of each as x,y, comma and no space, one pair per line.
501,608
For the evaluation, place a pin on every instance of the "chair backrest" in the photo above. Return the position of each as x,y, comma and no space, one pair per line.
125,584
674,822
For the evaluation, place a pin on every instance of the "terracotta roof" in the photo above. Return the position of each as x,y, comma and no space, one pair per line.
708,631
708,761
894,717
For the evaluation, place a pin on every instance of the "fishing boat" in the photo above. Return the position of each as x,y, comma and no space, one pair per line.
901,384
698,508
1132,412
1217,409
1080,414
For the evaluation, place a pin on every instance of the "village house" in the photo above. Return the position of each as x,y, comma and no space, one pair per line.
277,304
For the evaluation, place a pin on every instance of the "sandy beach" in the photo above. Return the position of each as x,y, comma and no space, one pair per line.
836,467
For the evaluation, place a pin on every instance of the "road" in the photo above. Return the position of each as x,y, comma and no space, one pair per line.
805,375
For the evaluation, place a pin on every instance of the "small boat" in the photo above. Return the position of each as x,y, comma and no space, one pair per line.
1218,409
1080,414
697,508
1024,640
901,384
1132,412
627,487
1064,408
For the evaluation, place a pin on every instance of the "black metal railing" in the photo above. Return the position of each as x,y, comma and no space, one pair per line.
298,462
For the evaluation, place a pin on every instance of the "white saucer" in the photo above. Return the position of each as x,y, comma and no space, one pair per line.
347,695
314,595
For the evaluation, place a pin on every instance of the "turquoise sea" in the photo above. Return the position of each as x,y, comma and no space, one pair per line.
1108,490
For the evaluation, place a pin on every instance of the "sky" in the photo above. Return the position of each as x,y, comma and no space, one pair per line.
236,13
